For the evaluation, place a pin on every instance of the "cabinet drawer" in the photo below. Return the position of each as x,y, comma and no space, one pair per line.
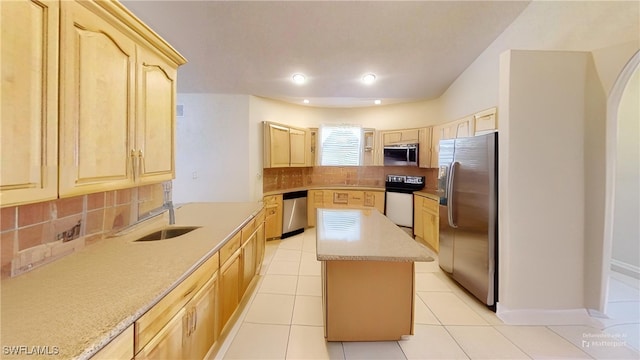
356,198
430,205
158,316
271,210
272,199
317,197
260,217
340,197
230,247
248,230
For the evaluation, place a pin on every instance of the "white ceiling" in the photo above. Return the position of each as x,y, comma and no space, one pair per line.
416,48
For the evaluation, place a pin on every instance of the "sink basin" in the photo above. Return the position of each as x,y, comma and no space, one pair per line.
167,233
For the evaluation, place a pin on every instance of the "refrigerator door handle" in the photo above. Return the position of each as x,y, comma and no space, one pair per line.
450,200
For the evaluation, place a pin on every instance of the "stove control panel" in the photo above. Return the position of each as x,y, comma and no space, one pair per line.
418,180
404,182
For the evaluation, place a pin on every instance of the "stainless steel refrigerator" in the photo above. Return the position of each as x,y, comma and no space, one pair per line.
468,187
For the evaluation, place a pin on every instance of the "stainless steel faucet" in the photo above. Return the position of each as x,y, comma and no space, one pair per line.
168,203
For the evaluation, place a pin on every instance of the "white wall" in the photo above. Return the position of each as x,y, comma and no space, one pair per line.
626,231
541,168
609,29
212,142
595,170
408,115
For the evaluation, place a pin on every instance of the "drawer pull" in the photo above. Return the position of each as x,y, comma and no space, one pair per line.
190,291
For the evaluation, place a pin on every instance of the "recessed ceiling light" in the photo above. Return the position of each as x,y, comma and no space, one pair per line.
378,102
298,78
306,101
368,78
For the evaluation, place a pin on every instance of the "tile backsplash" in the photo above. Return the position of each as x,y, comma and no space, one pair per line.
276,179
82,219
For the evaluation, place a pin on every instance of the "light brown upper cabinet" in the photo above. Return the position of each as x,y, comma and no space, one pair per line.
298,145
391,137
368,147
117,101
155,118
486,121
276,146
312,136
424,149
451,130
420,136
285,146
97,103
29,110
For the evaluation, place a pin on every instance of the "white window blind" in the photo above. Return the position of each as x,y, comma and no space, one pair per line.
340,145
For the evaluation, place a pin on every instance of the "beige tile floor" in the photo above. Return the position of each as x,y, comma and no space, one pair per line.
283,320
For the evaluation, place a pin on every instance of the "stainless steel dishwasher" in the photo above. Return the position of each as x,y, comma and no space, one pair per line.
294,214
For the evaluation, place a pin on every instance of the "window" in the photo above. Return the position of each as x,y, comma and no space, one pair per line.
340,145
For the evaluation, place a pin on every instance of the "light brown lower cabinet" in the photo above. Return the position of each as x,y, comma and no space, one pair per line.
261,244
201,330
229,287
188,321
342,199
167,344
426,221
191,332
430,223
249,263
273,216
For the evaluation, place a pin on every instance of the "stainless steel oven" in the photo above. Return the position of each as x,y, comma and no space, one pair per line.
399,198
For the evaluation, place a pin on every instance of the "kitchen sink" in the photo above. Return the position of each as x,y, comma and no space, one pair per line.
167,233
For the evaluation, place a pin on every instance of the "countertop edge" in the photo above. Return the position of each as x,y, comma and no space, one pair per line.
373,258
368,246
325,187
431,194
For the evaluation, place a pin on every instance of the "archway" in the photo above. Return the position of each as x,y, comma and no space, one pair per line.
622,237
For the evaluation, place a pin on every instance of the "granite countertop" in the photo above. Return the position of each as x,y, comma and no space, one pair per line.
325,187
78,304
364,235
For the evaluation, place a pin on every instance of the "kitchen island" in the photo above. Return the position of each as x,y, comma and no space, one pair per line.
367,275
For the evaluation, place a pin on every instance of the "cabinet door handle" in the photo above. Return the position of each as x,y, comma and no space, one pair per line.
140,163
195,320
190,291
186,325
134,166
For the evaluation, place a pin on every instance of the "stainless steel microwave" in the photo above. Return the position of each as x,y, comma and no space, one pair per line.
401,155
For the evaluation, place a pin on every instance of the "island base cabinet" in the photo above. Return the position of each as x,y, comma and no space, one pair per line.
367,300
